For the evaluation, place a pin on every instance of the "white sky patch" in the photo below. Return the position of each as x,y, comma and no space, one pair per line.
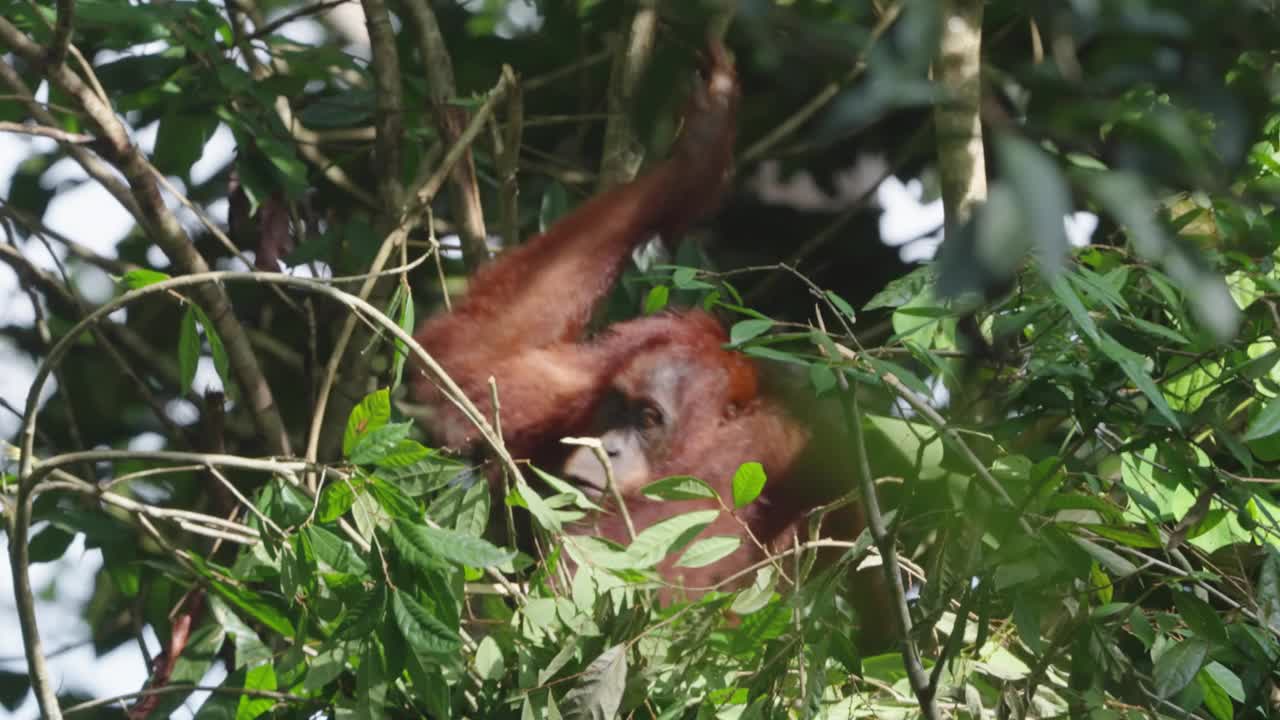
217,154
61,626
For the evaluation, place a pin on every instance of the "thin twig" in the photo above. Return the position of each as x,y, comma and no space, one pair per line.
597,449
61,136
788,127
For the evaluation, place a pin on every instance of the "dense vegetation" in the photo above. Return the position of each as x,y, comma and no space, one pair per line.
1074,447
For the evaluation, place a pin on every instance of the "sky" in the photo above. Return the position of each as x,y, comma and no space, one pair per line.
88,215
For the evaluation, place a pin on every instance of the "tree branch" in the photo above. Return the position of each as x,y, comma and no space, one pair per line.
468,214
622,154
957,119
163,227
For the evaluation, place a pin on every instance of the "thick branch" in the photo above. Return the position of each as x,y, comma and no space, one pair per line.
957,119
468,214
622,151
163,227
388,110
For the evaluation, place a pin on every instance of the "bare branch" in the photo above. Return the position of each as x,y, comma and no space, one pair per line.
388,110
61,136
468,214
57,53
622,153
957,119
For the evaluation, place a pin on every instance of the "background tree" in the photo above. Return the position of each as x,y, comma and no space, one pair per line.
1074,444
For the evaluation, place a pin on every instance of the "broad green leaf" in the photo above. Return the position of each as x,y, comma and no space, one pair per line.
679,487
753,598
656,541
709,550
336,553
1067,296
255,606
745,330
900,291
371,413
405,319
489,662
598,694
842,305
262,677
1042,196
748,482
188,350
1266,423
423,540
384,445
1133,365
1179,665
426,633
1227,680
221,362
140,278
1109,559
1215,698
1202,618
372,681
656,301
335,500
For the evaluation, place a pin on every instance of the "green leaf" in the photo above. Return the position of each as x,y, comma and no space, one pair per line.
336,553
418,542
372,413
180,141
188,350
1200,617
335,500
555,203
426,634
256,606
1266,423
406,321
135,279
900,291
372,682
386,446
262,677
1042,196
1067,296
709,550
1109,559
748,482
598,694
49,544
1215,698
221,362
1179,665
679,487
753,598
489,662
656,301
745,330
654,542
842,305
1133,365
1227,680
